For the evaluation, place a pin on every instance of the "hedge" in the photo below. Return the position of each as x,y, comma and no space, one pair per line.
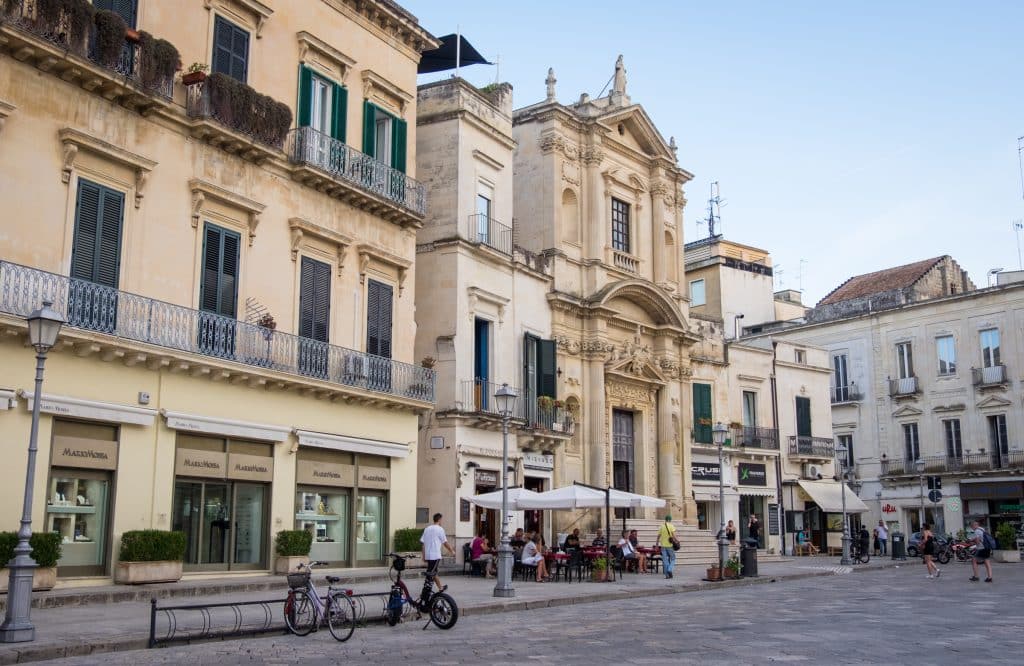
152,546
293,543
408,539
45,547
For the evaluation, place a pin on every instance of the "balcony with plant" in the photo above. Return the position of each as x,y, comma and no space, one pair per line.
234,116
94,49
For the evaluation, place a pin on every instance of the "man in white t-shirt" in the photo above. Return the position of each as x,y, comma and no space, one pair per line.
881,536
433,540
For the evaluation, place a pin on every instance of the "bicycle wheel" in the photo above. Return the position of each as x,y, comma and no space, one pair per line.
299,613
444,612
341,616
865,557
393,611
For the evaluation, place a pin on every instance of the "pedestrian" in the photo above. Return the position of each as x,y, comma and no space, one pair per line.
928,550
433,539
864,538
754,531
881,537
982,553
730,536
669,543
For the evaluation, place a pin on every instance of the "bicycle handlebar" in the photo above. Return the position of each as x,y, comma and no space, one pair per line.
404,557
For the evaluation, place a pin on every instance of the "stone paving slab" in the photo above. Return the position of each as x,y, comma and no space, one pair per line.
88,628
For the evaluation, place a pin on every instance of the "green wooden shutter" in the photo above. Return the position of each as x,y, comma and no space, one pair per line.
803,417
314,299
546,369
340,98
384,328
305,95
96,250
702,410
369,128
87,223
398,141
108,247
372,317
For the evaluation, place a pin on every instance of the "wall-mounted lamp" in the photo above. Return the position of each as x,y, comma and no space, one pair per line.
472,465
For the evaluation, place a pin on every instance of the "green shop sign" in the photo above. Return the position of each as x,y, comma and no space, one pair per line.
1011,507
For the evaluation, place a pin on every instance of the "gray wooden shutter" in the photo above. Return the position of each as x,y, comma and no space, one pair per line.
230,49
218,291
546,385
315,300
378,319
126,9
803,417
96,251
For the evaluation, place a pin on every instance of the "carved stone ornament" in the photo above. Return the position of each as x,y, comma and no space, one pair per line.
550,142
592,155
570,172
626,394
568,345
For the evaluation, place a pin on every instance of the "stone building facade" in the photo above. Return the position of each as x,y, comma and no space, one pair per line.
233,250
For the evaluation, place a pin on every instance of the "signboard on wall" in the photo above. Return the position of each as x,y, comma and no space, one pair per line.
773,519
701,471
83,452
752,474
316,473
486,478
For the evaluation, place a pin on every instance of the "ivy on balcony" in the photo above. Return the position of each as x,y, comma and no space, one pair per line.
239,107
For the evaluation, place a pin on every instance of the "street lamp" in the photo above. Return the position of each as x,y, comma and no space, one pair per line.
718,433
840,461
919,465
43,327
505,400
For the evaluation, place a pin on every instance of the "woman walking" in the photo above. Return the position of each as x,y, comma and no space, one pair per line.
928,550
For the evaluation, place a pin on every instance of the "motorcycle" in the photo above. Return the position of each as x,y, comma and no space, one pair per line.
963,550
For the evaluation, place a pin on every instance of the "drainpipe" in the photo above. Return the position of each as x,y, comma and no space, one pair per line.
778,459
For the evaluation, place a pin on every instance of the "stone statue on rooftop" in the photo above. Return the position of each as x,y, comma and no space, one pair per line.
619,83
551,81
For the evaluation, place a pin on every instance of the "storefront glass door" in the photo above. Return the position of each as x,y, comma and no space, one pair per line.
249,531
224,524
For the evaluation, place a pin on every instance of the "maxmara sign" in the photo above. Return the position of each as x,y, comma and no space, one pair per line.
217,465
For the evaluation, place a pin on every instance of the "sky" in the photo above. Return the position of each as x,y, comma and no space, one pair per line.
845,137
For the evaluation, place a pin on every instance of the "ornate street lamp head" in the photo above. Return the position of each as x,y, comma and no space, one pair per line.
718,433
43,327
505,399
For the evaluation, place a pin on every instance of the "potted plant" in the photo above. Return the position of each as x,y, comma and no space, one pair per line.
428,362
1007,538
407,541
196,73
599,573
45,551
150,556
714,572
109,36
292,548
545,402
733,567
703,421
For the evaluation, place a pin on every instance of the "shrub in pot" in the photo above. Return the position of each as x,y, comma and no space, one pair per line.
714,572
599,572
292,548
150,556
159,60
70,20
1006,536
46,551
733,567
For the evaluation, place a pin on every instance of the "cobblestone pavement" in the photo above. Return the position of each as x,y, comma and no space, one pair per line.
891,616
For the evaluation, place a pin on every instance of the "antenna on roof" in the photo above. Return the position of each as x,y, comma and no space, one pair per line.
1018,226
800,275
777,275
1020,162
715,203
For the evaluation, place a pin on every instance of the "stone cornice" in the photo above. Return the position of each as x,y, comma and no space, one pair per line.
309,42
368,252
202,189
389,21
74,140
301,228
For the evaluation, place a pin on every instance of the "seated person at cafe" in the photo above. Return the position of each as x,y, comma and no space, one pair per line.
482,553
599,541
631,554
572,541
634,539
533,556
518,539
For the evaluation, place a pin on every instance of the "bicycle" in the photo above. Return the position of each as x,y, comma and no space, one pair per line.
858,554
439,606
305,610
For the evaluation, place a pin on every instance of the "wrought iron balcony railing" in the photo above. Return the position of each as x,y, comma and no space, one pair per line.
841,394
342,162
903,386
488,231
93,307
990,376
756,437
477,396
812,447
968,462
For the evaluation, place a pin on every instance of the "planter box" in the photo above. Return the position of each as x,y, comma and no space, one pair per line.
43,578
134,573
285,564
190,78
714,573
729,573
1006,556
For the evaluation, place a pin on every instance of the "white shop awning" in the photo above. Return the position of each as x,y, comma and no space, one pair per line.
757,492
828,496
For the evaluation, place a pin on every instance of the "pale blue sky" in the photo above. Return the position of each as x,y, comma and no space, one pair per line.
856,137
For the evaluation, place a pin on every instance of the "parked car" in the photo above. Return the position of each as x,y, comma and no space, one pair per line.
914,543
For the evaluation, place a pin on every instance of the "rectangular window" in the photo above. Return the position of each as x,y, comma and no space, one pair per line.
990,348
126,9
378,318
702,413
904,360
945,347
384,136
314,317
800,356
620,225
322,105
911,444
230,49
998,440
482,362
539,374
697,293
954,445
96,258
218,291
749,409
846,441
841,377
484,197
803,417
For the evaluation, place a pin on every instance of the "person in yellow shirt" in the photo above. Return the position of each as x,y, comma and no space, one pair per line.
668,542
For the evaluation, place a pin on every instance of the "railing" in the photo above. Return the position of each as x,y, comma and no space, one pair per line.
306,145
849,393
994,374
903,386
189,622
477,396
490,232
811,447
93,307
28,16
756,437
625,262
968,462
248,114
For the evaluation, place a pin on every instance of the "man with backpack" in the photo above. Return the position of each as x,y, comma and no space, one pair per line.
986,544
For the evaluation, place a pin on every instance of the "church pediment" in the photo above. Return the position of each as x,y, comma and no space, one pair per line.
994,402
633,128
906,411
635,361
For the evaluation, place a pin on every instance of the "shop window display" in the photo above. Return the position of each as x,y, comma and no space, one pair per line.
76,508
325,513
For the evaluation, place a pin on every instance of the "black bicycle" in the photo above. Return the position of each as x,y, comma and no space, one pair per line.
858,553
439,606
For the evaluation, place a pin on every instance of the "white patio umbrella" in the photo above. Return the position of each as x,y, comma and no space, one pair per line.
576,497
492,500
637,501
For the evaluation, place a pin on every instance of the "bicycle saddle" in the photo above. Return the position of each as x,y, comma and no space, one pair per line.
333,579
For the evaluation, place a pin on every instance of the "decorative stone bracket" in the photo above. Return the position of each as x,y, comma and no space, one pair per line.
369,252
201,190
301,228
74,140
476,294
6,109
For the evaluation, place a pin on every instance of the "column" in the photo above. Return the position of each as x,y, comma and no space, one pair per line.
596,446
668,476
658,235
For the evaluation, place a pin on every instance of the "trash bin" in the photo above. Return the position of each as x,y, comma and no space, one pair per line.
748,558
898,546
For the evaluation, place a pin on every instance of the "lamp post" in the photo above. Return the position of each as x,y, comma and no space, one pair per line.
718,433
919,465
841,468
43,327
505,400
